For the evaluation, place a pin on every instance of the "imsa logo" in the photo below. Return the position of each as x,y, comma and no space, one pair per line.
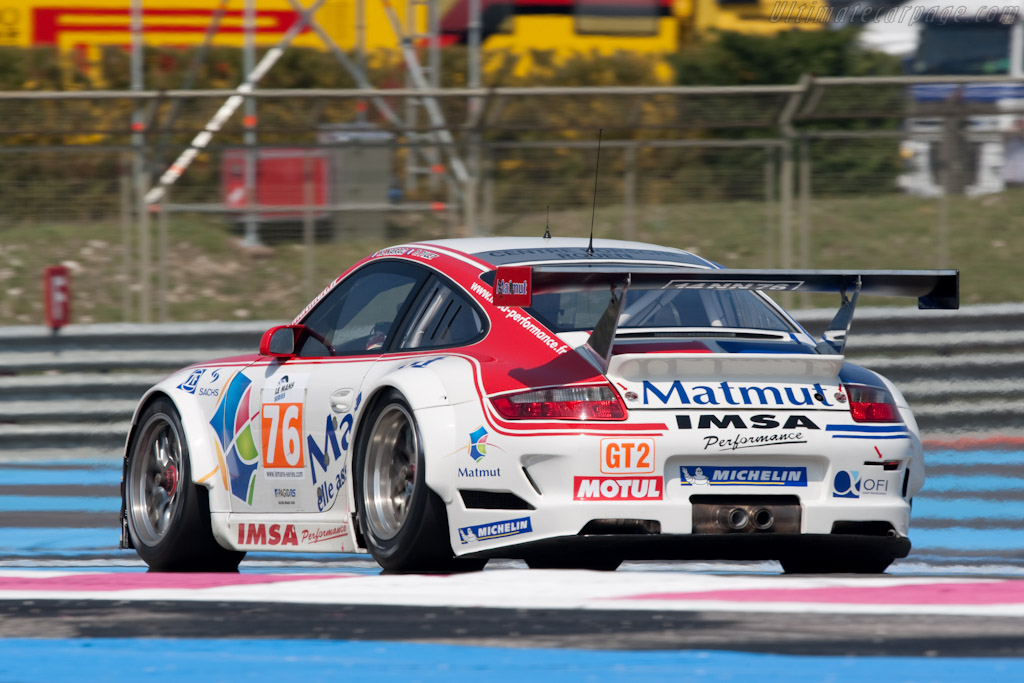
617,488
765,421
267,534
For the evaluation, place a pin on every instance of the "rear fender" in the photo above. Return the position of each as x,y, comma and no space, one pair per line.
436,389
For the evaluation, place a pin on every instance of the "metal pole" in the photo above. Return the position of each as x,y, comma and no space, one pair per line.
126,238
252,234
770,154
805,212
307,226
139,164
475,140
161,273
361,53
786,216
629,217
487,226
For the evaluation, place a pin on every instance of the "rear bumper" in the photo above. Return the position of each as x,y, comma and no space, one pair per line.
709,546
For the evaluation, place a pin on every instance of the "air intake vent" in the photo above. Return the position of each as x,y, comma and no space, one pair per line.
493,500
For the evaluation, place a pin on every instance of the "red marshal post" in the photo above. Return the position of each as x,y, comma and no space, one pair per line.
513,286
57,296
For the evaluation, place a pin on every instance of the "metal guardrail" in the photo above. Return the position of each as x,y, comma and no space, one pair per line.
74,392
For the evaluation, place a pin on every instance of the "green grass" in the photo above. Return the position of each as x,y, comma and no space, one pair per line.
211,277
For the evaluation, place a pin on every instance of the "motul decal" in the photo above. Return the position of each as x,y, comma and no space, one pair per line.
617,488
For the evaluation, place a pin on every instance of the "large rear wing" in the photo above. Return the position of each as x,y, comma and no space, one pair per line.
516,285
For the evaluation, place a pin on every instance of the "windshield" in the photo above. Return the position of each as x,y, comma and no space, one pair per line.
572,311
964,48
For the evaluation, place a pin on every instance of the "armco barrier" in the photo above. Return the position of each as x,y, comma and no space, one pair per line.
74,392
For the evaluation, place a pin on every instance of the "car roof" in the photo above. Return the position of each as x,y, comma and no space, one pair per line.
500,251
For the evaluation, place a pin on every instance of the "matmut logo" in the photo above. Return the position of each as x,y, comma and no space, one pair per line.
617,488
512,286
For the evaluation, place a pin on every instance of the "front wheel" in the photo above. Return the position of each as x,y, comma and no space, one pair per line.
168,515
403,522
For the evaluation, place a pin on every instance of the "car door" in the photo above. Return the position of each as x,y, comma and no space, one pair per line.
308,403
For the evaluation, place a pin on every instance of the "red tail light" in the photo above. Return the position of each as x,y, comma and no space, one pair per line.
562,403
872,404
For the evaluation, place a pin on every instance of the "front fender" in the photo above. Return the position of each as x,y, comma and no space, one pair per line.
206,463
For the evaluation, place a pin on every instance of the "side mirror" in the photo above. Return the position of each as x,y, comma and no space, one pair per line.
279,342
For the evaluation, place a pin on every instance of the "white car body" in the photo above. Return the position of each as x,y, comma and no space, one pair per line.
719,424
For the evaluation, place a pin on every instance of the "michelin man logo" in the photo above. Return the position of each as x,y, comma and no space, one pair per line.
466,535
846,484
698,478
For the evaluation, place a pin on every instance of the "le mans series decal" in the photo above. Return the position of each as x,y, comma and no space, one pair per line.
714,475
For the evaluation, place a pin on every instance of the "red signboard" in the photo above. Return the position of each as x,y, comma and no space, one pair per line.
57,296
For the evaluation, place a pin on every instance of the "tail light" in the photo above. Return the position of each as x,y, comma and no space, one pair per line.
562,403
871,404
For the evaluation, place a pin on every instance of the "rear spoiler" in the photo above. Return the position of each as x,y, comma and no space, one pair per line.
516,285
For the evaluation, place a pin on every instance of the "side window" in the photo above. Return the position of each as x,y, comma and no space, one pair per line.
361,313
444,317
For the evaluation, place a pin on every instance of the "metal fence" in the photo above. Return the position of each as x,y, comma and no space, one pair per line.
173,217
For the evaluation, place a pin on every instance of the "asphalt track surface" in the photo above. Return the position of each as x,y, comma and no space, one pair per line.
72,607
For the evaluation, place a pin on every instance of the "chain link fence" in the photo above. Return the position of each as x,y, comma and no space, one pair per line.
855,173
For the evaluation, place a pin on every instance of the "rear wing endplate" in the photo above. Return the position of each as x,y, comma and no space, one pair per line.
516,285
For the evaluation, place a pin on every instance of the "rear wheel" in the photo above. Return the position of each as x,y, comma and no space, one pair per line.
403,522
168,515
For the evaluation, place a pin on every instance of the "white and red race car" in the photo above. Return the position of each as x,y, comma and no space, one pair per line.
565,403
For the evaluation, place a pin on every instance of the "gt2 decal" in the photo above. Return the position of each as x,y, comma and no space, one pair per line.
727,394
633,456
712,475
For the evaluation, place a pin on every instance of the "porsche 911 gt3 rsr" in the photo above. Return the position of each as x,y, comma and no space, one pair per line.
565,403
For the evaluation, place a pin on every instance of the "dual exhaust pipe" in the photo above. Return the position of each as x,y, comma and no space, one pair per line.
740,518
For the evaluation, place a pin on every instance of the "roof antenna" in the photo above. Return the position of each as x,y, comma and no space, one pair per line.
593,208
547,225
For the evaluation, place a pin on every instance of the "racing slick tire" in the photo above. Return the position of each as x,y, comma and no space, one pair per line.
169,516
403,522
841,564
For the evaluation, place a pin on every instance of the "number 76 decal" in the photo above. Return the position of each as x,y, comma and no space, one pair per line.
282,435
